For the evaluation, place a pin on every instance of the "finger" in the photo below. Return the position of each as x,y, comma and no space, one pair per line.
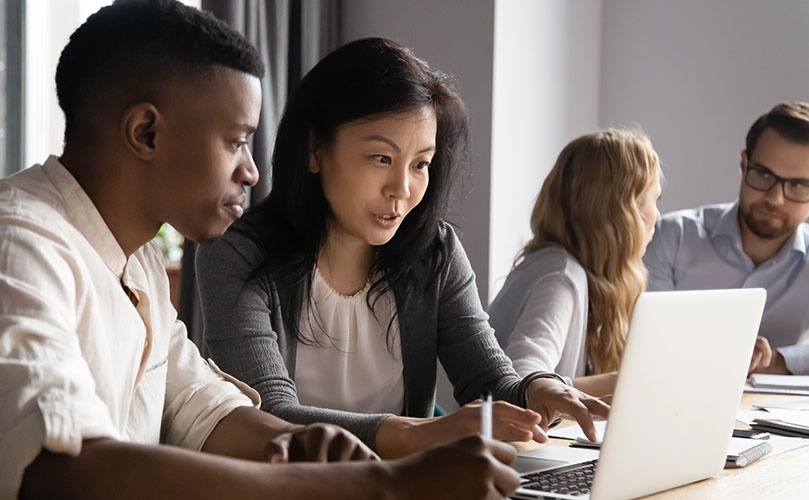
506,431
362,453
506,480
766,354
503,452
581,414
277,450
522,417
539,435
754,361
606,399
598,408
315,439
341,447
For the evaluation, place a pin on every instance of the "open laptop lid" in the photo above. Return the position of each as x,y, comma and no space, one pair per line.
678,390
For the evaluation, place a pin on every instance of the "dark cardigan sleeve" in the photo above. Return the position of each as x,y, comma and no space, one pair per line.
244,334
467,347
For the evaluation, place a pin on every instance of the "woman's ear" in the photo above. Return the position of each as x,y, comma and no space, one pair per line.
139,127
314,154
314,162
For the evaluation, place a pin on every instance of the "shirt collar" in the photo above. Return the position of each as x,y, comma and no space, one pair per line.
85,216
728,225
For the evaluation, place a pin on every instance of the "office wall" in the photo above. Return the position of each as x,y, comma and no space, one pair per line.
546,86
695,75
454,36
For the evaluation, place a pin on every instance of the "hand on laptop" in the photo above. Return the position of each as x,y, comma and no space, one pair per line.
318,443
472,468
551,399
764,360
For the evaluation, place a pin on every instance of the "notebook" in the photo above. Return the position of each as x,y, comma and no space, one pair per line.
767,381
679,387
742,451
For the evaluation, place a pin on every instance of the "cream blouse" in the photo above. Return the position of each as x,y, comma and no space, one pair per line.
350,368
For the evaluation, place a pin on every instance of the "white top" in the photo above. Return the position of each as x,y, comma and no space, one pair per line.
351,369
540,314
77,359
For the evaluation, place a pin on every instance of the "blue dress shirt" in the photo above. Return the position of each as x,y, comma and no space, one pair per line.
701,248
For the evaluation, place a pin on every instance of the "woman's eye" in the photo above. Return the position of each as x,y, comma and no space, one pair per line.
422,165
240,144
382,159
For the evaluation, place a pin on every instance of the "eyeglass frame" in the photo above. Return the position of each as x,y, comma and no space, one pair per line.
777,180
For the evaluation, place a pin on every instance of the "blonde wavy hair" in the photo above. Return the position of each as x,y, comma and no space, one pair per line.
589,205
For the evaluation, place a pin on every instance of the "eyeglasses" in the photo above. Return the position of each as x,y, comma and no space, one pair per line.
763,179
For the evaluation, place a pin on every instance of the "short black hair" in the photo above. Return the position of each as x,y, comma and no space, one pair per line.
135,44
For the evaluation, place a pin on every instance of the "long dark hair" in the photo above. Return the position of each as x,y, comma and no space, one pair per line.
366,78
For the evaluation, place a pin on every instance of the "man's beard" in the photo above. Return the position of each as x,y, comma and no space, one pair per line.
764,228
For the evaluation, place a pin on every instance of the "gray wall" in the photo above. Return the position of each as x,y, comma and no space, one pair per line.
695,75
546,89
454,36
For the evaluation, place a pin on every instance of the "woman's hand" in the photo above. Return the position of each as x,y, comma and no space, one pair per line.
551,399
400,436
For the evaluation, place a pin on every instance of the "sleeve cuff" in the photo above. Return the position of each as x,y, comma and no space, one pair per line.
530,378
193,418
796,358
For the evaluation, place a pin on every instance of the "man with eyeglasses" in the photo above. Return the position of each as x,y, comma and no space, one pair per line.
762,240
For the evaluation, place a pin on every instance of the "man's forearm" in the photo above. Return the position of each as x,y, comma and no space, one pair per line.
245,433
113,469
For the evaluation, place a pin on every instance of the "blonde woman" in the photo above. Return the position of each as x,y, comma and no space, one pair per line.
566,304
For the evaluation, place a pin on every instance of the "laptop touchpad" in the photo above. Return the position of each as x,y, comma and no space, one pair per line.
524,465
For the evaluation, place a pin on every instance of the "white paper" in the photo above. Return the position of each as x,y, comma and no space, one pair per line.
574,431
798,404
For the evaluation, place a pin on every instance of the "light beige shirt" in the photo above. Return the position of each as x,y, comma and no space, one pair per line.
77,359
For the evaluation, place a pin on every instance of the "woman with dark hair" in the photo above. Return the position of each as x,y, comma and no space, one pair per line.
334,297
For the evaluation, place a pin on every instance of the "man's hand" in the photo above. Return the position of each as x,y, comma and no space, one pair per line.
318,443
551,399
765,360
472,468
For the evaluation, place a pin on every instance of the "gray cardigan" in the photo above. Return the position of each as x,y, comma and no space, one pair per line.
245,335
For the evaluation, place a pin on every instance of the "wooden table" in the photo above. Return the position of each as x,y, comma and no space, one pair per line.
784,476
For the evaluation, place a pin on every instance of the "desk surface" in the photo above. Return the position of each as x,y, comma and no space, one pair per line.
782,476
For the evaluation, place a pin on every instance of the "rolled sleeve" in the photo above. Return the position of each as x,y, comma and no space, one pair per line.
48,392
796,358
198,394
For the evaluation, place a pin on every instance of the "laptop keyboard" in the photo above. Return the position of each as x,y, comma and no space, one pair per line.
573,480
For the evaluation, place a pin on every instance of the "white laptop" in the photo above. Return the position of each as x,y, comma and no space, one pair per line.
675,401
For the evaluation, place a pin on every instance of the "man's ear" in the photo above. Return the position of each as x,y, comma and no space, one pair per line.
139,126
743,161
